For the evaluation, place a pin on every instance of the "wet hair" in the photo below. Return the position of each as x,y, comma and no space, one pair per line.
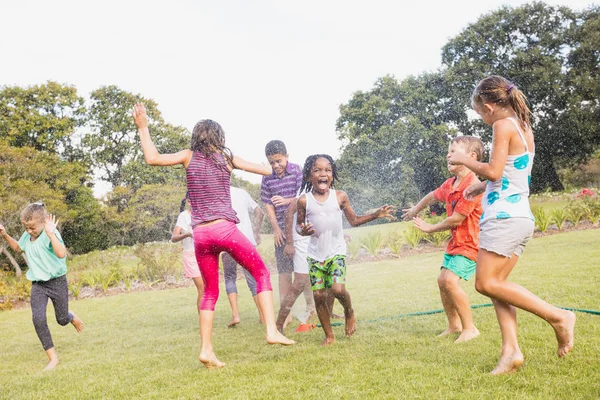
34,211
498,90
182,204
471,144
208,137
307,169
275,147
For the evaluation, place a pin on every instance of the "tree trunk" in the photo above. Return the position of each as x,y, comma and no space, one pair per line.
13,262
545,176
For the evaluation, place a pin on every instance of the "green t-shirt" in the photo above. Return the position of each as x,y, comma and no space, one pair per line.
43,263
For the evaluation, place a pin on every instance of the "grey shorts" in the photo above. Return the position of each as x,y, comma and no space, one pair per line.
506,236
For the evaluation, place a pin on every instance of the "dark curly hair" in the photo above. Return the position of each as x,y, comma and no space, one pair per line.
208,137
308,165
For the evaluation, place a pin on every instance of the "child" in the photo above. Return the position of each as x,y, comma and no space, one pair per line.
277,192
46,258
183,233
507,223
208,165
243,205
461,252
320,217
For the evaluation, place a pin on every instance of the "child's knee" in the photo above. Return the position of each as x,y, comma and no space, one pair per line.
62,321
338,291
320,296
482,286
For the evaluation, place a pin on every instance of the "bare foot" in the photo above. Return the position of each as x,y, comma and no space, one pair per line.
450,331
51,365
328,341
211,361
350,324
234,321
336,316
565,333
467,335
77,322
287,320
508,365
278,338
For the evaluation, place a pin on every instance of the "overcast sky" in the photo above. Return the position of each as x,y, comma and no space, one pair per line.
263,69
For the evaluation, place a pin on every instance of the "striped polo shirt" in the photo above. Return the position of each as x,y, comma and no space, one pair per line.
286,186
208,189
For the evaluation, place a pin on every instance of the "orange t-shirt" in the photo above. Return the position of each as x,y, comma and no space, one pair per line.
465,237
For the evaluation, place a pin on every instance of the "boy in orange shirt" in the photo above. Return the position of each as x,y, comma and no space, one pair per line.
461,253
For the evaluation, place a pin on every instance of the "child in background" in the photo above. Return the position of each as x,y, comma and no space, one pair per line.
277,192
183,233
46,258
507,223
461,252
243,204
208,165
320,217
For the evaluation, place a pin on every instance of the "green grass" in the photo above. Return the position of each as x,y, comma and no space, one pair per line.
144,344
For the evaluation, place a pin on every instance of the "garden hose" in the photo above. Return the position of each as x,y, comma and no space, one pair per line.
415,314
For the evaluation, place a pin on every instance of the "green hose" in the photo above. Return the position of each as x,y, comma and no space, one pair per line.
415,314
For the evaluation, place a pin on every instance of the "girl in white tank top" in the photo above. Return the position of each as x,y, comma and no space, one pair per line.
320,217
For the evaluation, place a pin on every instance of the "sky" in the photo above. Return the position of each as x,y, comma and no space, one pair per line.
263,69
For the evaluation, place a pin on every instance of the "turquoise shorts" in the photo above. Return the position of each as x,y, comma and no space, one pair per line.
463,267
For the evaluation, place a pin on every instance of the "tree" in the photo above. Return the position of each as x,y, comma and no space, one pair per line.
551,53
43,117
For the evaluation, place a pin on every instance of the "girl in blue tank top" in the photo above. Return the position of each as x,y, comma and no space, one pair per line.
507,223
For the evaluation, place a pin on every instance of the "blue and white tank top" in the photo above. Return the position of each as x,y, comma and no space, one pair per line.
508,197
326,218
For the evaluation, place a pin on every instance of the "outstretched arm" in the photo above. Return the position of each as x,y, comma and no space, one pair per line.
152,156
260,169
451,222
356,220
410,213
12,243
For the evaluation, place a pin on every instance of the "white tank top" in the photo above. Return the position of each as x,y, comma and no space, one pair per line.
326,218
508,197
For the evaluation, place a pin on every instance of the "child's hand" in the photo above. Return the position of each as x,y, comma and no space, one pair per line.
409,214
306,229
50,224
289,250
457,158
279,237
422,225
386,212
473,191
2,230
279,201
139,116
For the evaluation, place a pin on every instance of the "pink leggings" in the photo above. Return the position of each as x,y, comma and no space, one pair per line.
209,242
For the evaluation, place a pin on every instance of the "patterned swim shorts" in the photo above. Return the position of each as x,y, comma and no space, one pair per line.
324,274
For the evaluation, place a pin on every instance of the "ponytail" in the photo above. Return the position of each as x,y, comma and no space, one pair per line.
498,90
182,205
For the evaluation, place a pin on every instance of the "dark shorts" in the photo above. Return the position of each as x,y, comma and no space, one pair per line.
285,264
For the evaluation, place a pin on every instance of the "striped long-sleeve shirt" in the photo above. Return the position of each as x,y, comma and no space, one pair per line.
286,186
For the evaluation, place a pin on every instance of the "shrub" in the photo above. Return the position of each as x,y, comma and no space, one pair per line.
353,248
558,217
438,239
413,236
157,262
542,219
373,243
75,288
395,242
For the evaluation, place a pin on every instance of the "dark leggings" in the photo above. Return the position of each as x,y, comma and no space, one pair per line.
57,290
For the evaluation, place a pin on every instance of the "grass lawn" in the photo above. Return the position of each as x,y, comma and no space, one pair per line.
145,344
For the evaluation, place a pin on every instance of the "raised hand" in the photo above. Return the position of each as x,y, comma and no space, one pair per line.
50,224
139,116
409,214
386,211
422,225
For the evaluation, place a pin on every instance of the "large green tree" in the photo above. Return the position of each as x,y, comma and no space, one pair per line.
43,117
552,54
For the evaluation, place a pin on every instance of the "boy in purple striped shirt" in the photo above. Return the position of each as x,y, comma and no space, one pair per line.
277,191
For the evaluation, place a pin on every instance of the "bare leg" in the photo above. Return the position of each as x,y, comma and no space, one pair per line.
53,357
492,272
207,354
454,324
265,302
200,288
261,319
289,300
321,304
308,294
285,283
235,313
460,303
330,301
340,293
511,358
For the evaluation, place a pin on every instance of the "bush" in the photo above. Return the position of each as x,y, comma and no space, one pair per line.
559,217
542,219
157,262
438,239
394,242
413,236
373,243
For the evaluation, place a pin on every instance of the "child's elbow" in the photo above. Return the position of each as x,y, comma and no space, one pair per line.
61,254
